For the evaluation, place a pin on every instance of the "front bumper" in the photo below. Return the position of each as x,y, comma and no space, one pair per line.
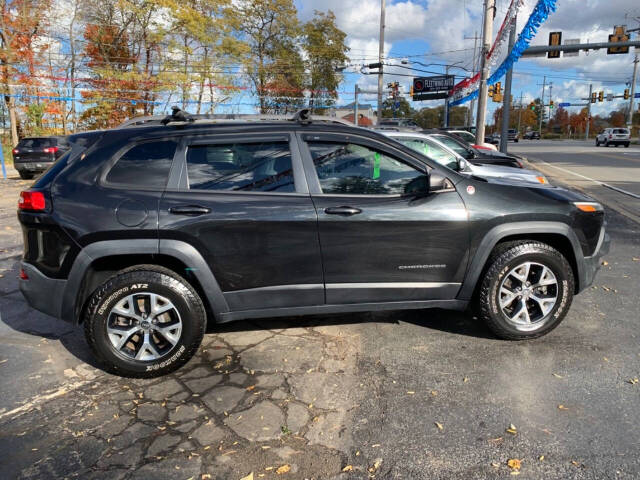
591,264
41,292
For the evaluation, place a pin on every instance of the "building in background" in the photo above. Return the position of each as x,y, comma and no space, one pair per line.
366,113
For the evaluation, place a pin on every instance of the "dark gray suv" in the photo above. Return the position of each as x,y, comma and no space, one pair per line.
147,233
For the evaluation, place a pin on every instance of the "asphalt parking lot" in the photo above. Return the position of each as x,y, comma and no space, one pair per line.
421,394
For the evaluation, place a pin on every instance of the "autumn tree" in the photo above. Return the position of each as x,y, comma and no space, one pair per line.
326,51
268,26
21,24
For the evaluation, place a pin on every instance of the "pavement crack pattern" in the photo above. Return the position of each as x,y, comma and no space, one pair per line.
251,400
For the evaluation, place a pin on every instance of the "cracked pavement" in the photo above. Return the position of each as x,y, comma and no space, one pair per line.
390,395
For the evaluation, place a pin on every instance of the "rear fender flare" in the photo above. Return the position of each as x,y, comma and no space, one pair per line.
182,251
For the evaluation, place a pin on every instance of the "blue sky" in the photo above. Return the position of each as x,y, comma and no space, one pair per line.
434,31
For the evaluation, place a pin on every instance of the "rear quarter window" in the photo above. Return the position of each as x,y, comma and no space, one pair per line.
144,165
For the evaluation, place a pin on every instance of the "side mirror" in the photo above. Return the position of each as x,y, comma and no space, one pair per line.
462,165
438,182
419,186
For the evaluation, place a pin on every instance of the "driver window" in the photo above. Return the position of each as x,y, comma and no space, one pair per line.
348,168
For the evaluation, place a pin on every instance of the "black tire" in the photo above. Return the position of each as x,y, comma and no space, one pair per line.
25,175
597,143
626,145
141,280
507,257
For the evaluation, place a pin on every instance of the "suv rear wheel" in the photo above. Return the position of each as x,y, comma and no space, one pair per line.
527,290
145,321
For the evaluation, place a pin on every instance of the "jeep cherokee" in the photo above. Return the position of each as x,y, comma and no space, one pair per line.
146,233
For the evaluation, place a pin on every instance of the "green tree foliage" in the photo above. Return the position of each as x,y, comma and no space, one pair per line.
434,117
325,49
403,109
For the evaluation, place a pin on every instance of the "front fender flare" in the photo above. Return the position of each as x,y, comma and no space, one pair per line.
499,232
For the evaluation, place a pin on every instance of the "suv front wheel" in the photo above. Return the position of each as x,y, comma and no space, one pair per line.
527,290
145,321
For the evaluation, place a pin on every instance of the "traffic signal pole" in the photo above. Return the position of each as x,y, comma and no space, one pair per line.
544,84
633,91
586,128
487,35
506,104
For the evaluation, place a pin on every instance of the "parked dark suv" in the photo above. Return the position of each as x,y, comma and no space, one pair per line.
146,233
34,155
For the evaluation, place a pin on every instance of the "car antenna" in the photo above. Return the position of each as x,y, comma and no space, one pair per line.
302,116
177,115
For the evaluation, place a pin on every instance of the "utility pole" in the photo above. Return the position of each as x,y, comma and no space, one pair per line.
506,104
586,128
473,72
633,91
380,57
520,112
544,84
446,103
355,106
487,35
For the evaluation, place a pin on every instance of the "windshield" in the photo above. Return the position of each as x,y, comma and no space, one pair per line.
455,146
466,136
432,150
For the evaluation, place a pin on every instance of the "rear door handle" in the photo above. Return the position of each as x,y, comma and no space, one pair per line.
193,210
342,211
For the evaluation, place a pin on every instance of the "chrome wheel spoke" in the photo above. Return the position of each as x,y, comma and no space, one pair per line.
545,304
119,337
158,307
546,278
508,298
522,315
521,272
147,350
171,333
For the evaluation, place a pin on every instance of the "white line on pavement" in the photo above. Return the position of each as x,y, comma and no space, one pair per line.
620,190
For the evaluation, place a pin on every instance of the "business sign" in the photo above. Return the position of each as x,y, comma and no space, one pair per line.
430,88
564,104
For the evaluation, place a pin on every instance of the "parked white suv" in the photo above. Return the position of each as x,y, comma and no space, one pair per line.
613,136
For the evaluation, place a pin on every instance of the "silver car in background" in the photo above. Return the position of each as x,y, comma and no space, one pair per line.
437,151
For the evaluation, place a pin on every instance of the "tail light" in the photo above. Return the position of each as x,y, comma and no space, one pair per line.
30,200
23,275
51,150
15,151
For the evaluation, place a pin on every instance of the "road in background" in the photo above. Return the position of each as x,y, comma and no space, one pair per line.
609,174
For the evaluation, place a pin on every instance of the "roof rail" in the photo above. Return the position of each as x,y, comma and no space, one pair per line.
178,117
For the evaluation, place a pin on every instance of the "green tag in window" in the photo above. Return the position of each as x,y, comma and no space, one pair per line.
376,166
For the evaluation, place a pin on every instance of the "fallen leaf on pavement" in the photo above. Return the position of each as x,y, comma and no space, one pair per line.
514,464
439,425
605,263
465,379
248,477
495,464
348,468
557,376
574,463
250,388
562,407
541,457
410,392
434,392
636,259
283,469
633,381
512,429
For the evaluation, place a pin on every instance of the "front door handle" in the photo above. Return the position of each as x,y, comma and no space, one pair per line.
342,211
193,210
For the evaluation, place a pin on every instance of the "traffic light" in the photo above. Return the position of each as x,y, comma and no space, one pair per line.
498,88
555,40
619,35
594,97
601,96
550,103
626,94
490,90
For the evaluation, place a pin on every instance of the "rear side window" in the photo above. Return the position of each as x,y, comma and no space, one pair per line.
144,165
36,142
245,167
